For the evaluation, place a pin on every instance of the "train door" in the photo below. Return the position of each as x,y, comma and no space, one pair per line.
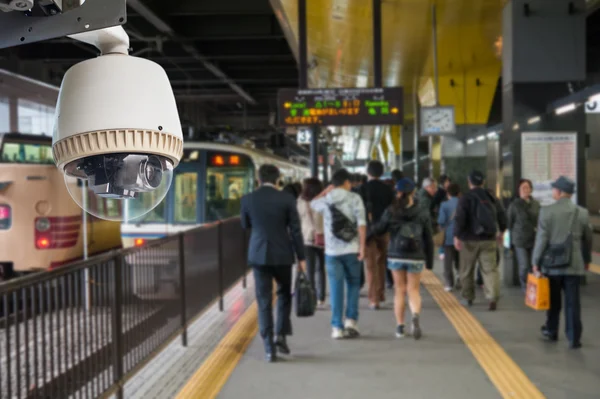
185,206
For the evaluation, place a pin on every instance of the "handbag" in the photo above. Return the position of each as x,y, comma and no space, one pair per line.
537,295
305,296
558,256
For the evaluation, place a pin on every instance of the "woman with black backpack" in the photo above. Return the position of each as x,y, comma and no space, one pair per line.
410,249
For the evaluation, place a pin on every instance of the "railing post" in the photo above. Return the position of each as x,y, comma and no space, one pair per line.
244,265
117,324
220,262
182,288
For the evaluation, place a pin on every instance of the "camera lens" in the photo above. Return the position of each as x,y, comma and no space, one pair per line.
151,170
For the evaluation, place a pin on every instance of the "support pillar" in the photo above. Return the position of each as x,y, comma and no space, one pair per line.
533,78
395,144
13,114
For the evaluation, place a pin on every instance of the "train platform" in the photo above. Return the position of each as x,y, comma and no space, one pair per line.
485,354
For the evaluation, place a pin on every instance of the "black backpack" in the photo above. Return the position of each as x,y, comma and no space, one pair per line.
409,238
484,216
341,226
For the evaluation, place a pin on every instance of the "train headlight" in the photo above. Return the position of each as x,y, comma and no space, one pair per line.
42,225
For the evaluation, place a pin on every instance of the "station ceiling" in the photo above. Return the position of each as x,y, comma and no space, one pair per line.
219,56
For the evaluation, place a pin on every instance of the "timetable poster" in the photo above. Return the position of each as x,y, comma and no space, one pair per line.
545,157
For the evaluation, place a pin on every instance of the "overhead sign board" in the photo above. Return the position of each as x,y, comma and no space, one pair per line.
592,107
437,121
340,107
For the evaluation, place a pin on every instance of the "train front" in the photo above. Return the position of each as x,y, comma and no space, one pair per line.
207,186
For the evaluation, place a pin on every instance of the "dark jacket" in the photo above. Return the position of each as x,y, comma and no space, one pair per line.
276,233
377,197
391,221
425,201
464,226
522,220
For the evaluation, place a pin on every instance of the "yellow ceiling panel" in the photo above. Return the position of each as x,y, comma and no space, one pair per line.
341,51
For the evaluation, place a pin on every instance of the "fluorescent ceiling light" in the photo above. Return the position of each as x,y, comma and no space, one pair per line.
565,108
516,126
470,141
533,120
480,138
492,135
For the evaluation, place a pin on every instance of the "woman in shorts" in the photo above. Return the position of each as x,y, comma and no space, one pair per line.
410,250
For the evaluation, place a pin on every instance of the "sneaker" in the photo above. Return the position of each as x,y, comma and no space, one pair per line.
493,305
416,327
447,288
350,329
466,302
400,331
337,333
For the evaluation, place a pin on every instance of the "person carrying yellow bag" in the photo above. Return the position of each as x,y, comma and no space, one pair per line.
562,252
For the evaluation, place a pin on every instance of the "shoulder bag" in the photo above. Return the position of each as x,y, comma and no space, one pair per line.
558,256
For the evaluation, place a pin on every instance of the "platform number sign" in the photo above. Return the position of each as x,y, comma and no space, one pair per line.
304,136
592,107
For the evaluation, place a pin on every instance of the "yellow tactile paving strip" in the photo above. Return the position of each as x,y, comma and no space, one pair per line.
209,379
504,373
594,268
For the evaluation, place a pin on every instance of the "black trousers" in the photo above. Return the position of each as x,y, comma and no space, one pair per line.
573,326
315,268
263,284
451,263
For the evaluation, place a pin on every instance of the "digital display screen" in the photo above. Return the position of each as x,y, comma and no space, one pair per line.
226,159
341,107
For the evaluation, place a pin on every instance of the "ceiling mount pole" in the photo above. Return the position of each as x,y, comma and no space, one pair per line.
377,62
303,83
435,55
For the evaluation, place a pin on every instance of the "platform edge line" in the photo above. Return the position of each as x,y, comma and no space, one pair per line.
461,318
214,372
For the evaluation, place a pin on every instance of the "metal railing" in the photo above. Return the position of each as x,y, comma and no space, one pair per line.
83,330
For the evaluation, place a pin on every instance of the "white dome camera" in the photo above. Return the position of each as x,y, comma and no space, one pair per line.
116,127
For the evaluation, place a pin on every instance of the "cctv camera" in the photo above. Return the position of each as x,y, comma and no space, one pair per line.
117,128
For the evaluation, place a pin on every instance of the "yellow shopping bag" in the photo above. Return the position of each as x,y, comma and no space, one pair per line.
537,295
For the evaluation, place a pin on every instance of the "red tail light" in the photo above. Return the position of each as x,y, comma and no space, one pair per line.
42,243
139,242
5,217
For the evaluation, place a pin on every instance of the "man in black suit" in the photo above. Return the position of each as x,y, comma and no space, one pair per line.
276,235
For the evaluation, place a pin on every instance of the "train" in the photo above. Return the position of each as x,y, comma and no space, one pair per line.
207,186
40,225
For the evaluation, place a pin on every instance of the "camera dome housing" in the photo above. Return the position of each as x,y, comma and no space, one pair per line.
117,127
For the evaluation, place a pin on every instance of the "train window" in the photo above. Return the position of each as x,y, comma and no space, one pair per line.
226,183
186,185
26,153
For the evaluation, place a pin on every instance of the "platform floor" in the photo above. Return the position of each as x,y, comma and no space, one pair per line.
463,353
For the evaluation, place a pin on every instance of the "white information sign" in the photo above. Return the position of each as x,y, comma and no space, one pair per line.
545,157
592,107
304,136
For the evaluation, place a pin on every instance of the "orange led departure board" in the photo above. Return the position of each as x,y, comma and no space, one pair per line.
340,107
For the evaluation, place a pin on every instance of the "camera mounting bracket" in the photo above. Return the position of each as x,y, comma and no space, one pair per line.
18,28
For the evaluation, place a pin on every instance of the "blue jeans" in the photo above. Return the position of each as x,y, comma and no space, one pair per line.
340,269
